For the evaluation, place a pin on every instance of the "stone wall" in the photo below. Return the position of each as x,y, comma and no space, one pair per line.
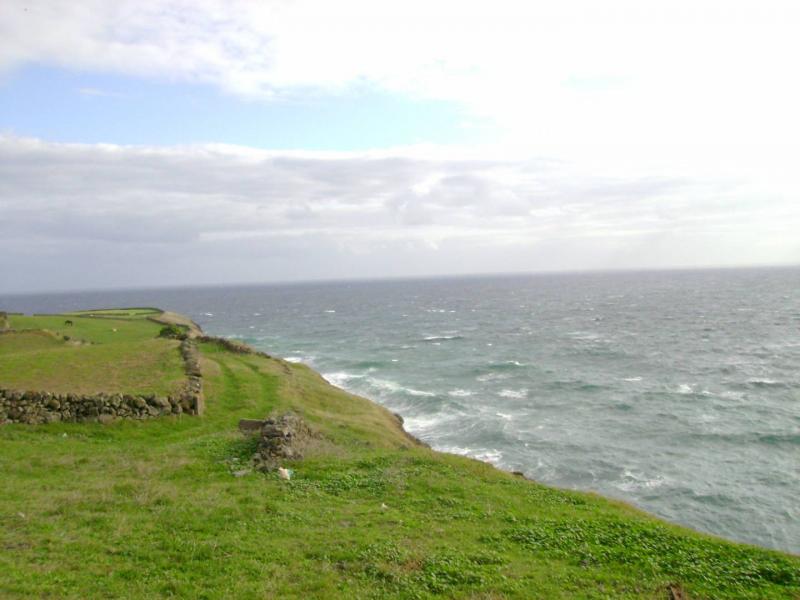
193,389
46,407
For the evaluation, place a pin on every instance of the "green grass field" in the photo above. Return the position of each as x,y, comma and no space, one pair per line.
101,355
127,313
151,509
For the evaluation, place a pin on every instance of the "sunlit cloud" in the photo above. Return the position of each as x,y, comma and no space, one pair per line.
550,74
625,134
267,215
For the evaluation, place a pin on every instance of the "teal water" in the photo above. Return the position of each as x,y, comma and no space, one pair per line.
676,391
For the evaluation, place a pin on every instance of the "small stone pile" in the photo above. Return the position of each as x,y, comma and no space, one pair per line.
287,437
47,407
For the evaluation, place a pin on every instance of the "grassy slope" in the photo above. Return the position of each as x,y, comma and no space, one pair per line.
149,509
123,356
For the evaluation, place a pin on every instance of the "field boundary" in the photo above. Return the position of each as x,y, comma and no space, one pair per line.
39,407
33,408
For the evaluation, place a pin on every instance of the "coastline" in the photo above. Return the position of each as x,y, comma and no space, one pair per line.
332,498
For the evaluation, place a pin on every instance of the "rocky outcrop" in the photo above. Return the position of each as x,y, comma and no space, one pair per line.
47,407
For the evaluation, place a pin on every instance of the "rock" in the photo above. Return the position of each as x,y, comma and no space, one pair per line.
250,426
287,437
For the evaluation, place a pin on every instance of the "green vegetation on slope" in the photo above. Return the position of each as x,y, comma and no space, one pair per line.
156,509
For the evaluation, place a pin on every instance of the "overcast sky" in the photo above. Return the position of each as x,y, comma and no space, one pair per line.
190,142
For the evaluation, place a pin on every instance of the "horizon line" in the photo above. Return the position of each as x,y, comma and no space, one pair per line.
400,278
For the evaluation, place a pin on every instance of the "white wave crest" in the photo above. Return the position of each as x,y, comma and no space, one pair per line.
340,378
518,394
424,423
492,377
393,387
632,482
490,455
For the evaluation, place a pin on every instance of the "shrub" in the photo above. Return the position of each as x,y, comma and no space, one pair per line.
173,331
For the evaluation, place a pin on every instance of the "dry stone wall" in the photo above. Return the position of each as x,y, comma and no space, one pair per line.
193,390
46,407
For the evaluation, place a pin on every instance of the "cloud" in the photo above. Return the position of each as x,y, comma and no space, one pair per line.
88,215
95,92
566,73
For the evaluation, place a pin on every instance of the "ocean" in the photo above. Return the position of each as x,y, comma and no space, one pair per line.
676,391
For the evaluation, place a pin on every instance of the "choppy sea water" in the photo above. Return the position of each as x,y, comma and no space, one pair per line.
676,391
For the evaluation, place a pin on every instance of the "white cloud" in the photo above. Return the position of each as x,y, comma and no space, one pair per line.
89,215
569,73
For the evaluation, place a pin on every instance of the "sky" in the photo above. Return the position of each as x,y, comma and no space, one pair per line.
196,142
